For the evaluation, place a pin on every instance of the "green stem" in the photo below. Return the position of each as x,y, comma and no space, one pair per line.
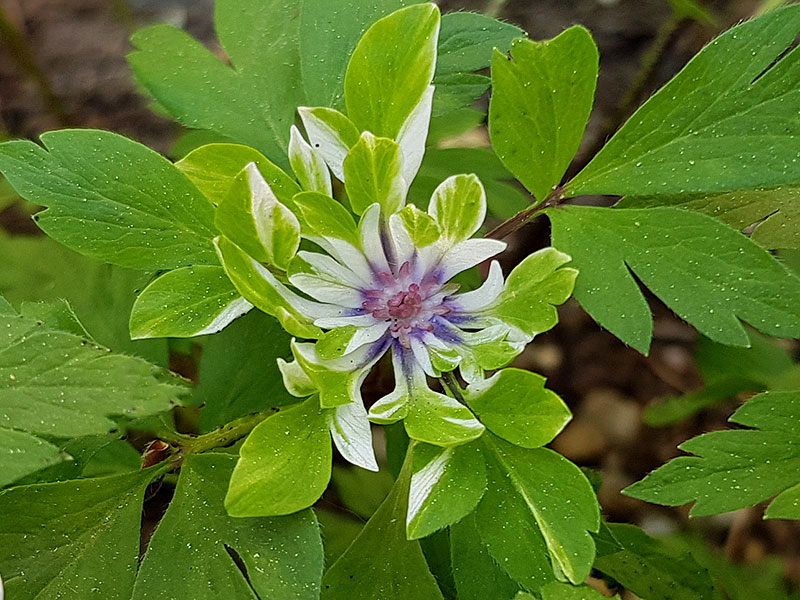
219,438
494,8
511,225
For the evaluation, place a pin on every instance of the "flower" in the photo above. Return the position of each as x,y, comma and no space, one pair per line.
383,284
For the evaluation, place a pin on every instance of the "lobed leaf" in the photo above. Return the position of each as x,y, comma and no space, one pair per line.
112,199
736,468
719,125
709,274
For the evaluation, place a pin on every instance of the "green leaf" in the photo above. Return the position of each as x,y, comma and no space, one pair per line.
540,104
238,371
565,591
361,571
253,218
254,100
459,207
477,575
717,126
533,289
187,302
58,384
260,287
558,496
196,542
466,43
22,454
446,485
391,68
55,314
284,464
515,405
213,168
112,199
735,468
648,567
373,172
774,213
328,35
37,269
709,274
504,199
337,386
74,540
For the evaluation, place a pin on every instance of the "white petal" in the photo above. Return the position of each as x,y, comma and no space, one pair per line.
402,245
479,299
234,310
423,482
421,355
467,254
352,434
330,145
367,335
332,322
335,271
371,244
324,290
413,135
349,255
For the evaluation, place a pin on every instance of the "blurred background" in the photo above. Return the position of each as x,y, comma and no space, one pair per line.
62,64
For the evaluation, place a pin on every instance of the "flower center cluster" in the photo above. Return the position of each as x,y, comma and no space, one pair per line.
410,307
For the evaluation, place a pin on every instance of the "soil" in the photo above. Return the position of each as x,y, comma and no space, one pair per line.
68,69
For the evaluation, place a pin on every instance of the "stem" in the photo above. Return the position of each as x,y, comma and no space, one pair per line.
494,8
449,381
219,438
511,225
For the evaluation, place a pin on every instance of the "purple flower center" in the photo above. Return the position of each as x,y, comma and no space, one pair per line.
408,305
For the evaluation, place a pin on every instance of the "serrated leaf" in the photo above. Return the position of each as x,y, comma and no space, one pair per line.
74,540
446,485
37,269
284,464
58,384
709,274
533,289
194,545
391,68
515,405
540,104
735,468
717,126
22,454
559,498
648,567
503,198
477,575
187,302
238,371
361,571
112,199
373,172
213,168
774,213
